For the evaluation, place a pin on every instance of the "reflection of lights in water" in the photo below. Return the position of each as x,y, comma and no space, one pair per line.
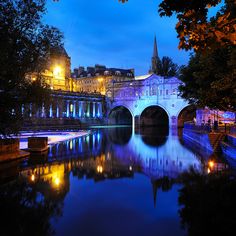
208,170
71,145
130,168
33,177
87,139
57,181
211,164
99,169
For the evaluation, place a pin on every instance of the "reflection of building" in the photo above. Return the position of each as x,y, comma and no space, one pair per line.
96,79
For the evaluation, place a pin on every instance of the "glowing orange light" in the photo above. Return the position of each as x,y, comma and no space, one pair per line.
57,70
99,169
33,177
57,181
211,164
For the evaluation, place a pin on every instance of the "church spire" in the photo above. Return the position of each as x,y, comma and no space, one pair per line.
155,58
155,53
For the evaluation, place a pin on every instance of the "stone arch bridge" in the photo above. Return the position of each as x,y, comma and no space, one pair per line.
151,100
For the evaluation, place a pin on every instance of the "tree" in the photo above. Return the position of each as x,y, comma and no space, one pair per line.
166,67
25,43
195,30
209,79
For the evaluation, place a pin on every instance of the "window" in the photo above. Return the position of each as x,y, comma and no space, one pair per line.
167,92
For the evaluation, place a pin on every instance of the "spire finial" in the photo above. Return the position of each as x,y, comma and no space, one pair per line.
155,53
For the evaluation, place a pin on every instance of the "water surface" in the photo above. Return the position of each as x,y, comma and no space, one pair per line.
108,183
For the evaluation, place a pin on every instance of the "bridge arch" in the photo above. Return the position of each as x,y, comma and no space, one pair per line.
120,115
154,115
187,113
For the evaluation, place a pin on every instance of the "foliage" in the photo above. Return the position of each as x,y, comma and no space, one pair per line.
195,30
166,67
209,79
25,43
208,203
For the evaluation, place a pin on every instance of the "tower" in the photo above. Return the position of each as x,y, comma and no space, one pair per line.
155,58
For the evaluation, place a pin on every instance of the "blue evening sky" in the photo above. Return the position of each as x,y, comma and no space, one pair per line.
114,34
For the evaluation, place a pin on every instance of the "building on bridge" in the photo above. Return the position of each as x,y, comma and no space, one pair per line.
148,100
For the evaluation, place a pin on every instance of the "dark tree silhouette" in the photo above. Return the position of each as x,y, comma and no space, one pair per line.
25,43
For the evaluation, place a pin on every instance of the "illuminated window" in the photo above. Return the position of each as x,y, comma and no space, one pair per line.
71,107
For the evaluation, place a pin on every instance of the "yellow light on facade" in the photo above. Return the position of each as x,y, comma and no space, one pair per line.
57,181
32,178
33,79
100,79
71,107
57,70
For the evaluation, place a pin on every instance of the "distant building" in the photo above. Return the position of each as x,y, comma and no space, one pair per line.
155,59
97,78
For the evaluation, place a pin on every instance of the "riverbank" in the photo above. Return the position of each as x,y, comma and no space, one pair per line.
211,142
16,147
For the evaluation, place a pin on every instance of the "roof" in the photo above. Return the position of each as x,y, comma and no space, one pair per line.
102,70
143,77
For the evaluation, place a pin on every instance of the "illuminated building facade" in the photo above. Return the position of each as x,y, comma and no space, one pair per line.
57,72
146,92
68,103
97,79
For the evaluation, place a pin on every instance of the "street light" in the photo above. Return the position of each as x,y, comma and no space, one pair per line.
57,70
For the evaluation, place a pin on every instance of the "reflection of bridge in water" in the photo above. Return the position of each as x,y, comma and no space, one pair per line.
102,156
